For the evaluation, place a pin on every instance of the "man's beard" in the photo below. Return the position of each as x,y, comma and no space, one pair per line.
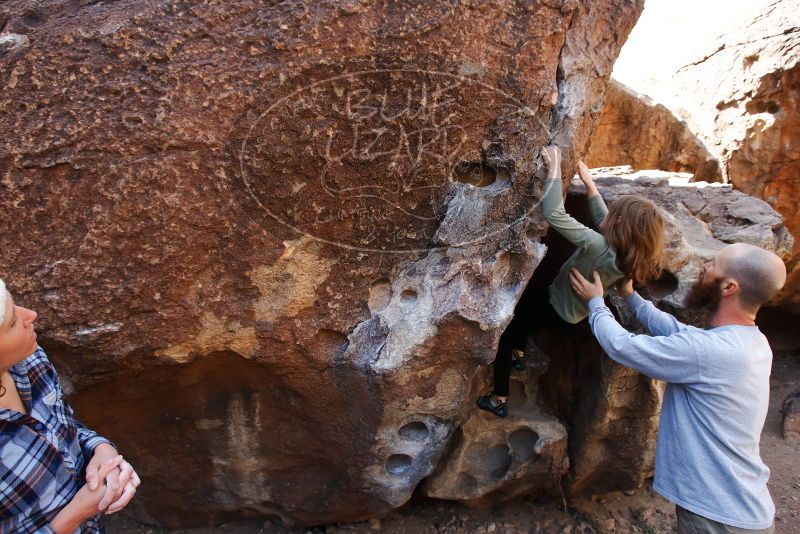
703,297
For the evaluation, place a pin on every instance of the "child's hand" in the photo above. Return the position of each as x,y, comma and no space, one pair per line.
552,158
586,178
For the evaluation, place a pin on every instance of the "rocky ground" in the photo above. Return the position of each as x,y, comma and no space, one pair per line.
641,512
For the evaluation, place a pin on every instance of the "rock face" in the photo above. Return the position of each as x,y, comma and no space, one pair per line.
494,459
741,96
271,244
633,130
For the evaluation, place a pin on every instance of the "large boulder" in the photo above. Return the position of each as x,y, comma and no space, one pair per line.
272,244
636,131
741,96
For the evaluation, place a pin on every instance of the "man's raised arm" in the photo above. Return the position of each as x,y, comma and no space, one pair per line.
672,358
655,321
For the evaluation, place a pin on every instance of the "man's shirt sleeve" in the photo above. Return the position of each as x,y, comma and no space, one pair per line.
671,358
655,321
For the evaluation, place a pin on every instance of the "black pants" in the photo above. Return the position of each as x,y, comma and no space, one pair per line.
532,314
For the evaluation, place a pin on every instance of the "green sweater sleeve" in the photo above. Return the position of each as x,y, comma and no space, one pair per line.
555,214
598,209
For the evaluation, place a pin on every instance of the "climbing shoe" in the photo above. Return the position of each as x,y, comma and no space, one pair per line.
491,404
518,360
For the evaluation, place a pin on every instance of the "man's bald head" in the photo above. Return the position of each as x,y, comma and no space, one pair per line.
759,273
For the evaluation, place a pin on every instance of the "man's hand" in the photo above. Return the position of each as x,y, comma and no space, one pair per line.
625,287
585,289
552,158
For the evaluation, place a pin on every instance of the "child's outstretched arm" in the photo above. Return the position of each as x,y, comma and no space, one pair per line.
553,204
586,178
597,207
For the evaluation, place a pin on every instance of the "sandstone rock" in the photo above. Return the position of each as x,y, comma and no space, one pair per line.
494,459
741,96
791,415
271,243
633,130
607,525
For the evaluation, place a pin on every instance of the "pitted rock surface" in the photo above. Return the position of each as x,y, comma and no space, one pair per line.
495,459
271,243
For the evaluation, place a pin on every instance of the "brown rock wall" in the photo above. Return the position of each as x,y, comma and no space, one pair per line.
271,242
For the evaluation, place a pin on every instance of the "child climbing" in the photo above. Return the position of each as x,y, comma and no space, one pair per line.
630,247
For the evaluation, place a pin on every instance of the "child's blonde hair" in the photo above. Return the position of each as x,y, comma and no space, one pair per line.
635,230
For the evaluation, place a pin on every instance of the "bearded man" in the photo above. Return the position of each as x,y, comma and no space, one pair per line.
717,394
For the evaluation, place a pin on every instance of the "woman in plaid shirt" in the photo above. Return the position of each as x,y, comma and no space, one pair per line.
56,476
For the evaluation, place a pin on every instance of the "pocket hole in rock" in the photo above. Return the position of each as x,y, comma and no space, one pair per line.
416,431
498,461
763,106
467,483
380,293
473,173
398,464
523,443
32,18
407,298
663,286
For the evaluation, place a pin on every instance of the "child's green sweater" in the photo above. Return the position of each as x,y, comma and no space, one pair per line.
593,254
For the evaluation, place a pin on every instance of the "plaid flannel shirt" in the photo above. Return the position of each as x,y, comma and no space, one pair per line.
44,453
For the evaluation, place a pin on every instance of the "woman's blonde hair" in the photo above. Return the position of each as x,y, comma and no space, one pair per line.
635,230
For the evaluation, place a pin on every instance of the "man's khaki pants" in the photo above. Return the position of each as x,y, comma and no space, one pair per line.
691,523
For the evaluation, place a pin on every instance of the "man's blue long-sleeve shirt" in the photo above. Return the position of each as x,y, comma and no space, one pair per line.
715,404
